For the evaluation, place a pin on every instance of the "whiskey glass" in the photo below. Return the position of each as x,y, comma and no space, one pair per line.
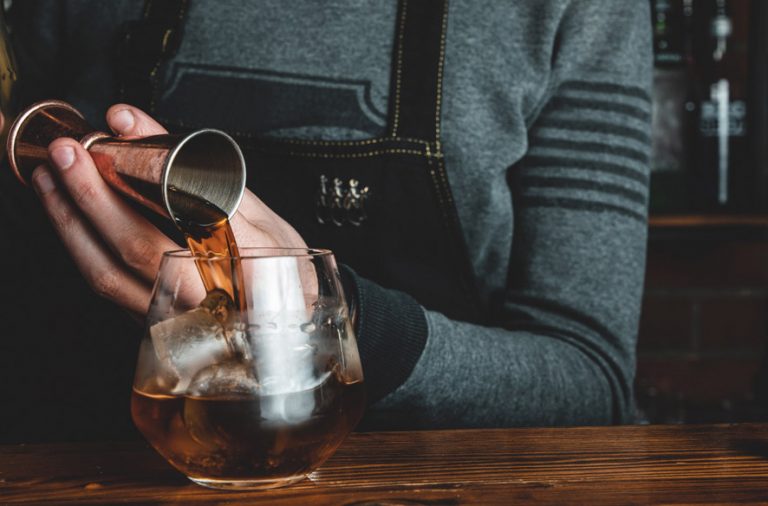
253,391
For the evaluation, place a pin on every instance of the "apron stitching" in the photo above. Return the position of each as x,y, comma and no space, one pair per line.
444,181
430,153
440,65
153,72
440,176
300,142
359,155
427,152
436,182
366,142
399,70
163,49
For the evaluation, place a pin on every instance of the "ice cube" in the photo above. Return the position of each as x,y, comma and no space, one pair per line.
297,405
186,344
232,378
276,313
237,339
221,409
205,335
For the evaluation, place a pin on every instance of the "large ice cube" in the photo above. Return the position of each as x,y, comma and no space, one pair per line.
279,334
233,378
186,344
277,316
221,406
193,340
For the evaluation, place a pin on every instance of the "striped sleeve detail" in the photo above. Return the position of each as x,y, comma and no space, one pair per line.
594,147
589,151
598,127
603,106
609,168
609,88
567,182
582,205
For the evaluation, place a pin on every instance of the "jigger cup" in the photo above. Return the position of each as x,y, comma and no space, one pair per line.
205,164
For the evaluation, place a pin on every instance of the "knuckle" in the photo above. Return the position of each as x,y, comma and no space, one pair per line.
105,283
139,253
63,219
85,195
264,237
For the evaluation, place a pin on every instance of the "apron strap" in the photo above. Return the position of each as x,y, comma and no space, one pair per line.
417,72
146,44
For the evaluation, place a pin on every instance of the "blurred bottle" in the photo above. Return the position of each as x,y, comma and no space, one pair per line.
721,172
8,80
668,38
674,104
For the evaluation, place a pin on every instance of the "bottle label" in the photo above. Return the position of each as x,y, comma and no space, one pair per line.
709,123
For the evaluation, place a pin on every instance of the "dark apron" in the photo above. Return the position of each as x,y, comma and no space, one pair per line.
382,205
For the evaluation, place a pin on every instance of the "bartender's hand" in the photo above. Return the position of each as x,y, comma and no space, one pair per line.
116,249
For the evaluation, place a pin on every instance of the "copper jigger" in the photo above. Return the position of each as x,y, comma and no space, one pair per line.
154,171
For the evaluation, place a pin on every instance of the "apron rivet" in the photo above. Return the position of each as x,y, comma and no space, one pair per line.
338,203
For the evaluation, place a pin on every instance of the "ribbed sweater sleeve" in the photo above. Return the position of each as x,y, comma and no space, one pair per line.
395,329
561,346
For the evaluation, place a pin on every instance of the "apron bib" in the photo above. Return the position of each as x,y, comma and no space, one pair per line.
383,205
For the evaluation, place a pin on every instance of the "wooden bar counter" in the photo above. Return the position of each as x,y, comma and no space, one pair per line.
712,464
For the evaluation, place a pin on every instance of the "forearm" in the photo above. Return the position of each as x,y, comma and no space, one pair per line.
550,369
471,376
550,365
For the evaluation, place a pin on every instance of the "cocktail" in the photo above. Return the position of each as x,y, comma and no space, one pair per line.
254,390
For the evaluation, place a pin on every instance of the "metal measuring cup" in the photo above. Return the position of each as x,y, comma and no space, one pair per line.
206,164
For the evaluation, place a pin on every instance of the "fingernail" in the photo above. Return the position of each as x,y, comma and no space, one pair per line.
122,121
63,157
44,183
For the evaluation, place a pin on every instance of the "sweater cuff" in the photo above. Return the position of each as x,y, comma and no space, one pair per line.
391,331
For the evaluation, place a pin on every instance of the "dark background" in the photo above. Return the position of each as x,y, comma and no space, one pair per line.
704,327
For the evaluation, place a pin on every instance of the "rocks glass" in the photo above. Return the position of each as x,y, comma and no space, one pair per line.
255,390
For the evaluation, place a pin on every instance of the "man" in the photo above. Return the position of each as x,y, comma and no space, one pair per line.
498,274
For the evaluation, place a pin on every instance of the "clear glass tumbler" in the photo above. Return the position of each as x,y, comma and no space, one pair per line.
255,390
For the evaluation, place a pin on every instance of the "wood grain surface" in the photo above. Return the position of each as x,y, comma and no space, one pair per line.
723,464
708,220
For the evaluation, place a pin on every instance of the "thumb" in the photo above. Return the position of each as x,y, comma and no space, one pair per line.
128,121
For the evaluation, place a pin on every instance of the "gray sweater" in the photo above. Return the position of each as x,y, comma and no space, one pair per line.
546,119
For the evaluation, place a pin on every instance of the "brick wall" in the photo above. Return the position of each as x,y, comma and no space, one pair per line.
704,329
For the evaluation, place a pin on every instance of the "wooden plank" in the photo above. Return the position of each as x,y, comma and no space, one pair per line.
724,464
708,220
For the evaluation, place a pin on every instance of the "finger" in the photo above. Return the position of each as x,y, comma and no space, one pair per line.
256,225
251,233
130,236
128,121
107,278
251,204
